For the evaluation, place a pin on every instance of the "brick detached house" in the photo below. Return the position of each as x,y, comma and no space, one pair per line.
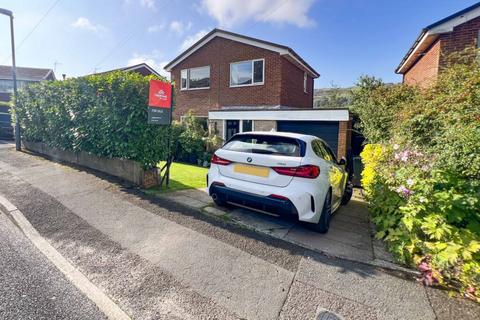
24,77
240,84
429,53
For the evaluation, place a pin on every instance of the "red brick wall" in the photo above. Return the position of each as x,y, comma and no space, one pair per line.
218,54
344,138
437,57
293,94
462,37
425,70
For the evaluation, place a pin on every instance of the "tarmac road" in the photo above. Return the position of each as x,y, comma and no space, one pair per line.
31,287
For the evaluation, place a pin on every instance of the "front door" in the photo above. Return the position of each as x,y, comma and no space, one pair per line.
232,128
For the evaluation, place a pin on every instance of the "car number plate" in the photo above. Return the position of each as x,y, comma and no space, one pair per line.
252,170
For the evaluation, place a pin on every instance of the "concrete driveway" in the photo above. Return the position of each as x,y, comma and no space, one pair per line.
350,235
6,144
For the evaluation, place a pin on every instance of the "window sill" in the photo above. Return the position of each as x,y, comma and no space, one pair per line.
194,89
247,85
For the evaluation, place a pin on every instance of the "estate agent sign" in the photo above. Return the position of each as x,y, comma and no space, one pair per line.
159,102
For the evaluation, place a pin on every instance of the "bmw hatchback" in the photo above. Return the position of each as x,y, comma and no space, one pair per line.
281,174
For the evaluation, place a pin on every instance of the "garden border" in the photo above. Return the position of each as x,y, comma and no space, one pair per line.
128,170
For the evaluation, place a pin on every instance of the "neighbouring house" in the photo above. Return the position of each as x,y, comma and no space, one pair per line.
239,83
24,77
430,51
141,68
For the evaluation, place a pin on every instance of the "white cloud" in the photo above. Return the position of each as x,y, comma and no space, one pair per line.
85,24
229,13
152,60
148,3
155,28
180,27
190,40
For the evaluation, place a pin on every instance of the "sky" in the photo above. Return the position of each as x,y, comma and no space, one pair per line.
341,39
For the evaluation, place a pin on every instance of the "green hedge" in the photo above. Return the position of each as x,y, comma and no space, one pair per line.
422,176
105,115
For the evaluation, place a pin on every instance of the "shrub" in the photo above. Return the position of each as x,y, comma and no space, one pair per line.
422,180
376,104
424,212
192,142
192,137
105,115
371,155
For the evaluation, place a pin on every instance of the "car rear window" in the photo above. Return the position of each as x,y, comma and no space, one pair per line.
265,144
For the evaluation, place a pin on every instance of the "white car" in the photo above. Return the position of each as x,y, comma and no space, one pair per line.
280,173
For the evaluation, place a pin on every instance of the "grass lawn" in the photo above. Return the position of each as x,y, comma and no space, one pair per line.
183,176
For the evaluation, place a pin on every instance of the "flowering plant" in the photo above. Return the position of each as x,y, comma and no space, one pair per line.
422,174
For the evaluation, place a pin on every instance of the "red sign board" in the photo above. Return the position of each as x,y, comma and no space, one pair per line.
160,94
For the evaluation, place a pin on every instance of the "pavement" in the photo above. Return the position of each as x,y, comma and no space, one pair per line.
159,259
31,287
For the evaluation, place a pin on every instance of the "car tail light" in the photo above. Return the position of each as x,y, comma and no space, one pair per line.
220,161
307,171
277,196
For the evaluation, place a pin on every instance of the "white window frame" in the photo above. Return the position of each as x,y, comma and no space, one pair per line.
250,84
181,80
188,78
305,82
240,121
241,125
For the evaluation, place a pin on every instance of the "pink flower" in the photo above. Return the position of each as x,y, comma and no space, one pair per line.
404,191
424,267
427,277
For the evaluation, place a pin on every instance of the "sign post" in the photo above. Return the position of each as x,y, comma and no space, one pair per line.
160,108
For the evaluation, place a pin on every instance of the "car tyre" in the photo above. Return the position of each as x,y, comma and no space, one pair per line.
219,202
324,222
347,193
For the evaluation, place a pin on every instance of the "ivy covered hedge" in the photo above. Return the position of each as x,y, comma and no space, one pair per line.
105,115
422,173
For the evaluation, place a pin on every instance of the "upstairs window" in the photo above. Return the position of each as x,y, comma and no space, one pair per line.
247,73
195,78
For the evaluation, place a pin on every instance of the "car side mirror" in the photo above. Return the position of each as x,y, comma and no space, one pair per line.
342,161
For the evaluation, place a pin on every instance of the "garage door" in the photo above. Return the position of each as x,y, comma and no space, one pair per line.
326,130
